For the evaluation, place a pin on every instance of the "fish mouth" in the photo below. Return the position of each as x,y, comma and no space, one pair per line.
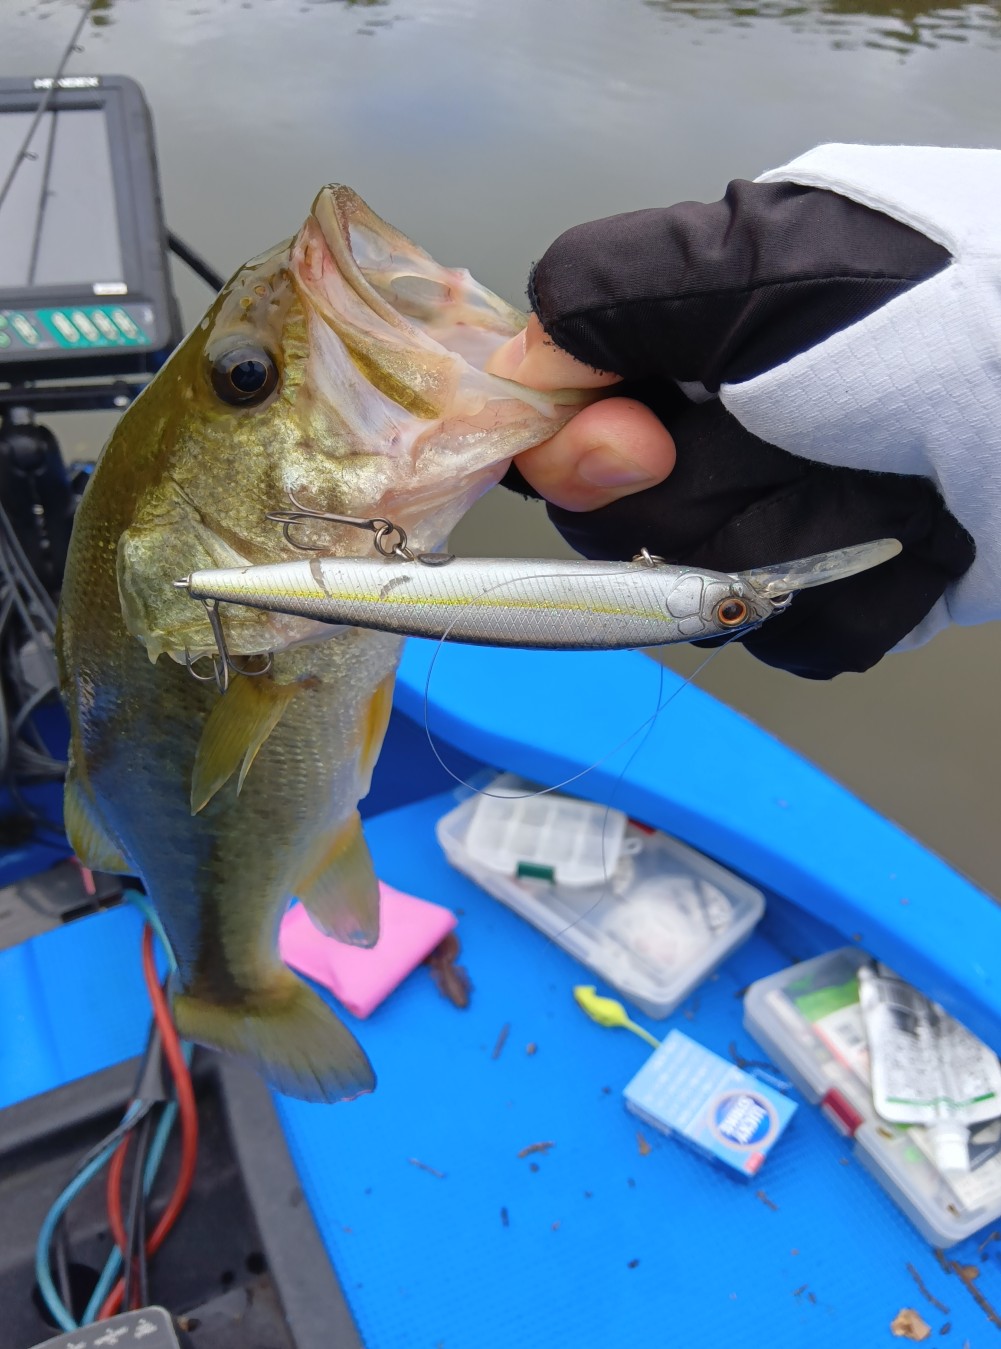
405,318
405,287
398,346
410,324
397,354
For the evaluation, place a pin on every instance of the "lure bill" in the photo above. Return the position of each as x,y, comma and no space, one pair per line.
540,603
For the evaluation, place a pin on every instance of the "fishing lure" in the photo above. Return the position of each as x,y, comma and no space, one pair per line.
524,602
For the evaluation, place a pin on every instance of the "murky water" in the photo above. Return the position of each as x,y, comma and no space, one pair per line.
482,130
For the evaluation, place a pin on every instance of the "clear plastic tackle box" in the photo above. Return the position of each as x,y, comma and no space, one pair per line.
650,916
808,1020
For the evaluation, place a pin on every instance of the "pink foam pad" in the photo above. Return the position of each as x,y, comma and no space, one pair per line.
409,930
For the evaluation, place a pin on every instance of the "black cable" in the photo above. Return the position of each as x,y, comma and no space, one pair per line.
35,767
148,1090
40,823
21,604
140,1093
6,752
27,617
23,568
135,1260
61,1252
197,263
23,591
115,1136
141,1259
30,705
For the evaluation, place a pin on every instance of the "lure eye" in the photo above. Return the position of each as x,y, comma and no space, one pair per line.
244,376
731,613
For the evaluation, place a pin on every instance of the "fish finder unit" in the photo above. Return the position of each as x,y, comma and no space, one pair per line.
87,316
84,281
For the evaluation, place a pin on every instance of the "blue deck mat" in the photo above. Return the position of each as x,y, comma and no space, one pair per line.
428,1262
602,1246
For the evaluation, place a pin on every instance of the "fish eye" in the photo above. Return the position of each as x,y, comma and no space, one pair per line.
244,376
731,612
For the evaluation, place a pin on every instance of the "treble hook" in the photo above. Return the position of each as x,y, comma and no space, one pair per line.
384,530
222,661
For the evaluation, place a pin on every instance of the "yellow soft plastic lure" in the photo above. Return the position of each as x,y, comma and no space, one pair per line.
608,1012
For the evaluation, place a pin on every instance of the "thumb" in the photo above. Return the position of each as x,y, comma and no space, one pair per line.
533,358
610,450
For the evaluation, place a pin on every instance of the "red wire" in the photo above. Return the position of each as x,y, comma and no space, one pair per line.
189,1132
114,1192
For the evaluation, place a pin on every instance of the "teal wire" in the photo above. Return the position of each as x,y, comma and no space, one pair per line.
46,1284
153,918
43,1273
114,1262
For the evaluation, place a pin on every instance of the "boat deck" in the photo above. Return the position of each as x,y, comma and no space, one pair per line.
441,1234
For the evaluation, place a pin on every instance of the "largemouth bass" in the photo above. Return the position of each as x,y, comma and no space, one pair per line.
344,368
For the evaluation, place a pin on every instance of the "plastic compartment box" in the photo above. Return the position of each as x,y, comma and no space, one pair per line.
650,916
808,1020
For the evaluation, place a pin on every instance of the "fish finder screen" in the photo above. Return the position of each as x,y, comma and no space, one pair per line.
58,224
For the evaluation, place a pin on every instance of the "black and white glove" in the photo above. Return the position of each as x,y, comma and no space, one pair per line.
680,300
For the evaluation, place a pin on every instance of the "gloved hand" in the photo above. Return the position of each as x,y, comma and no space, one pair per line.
667,305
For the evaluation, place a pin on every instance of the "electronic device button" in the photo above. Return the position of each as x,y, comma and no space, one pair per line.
85,326
129,328
64,327
104,324
25,330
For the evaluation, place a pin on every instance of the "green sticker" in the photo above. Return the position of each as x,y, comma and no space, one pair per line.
534,871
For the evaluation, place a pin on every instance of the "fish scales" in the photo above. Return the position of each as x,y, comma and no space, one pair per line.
345,366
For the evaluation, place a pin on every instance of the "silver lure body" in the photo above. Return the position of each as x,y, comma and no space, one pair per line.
540,603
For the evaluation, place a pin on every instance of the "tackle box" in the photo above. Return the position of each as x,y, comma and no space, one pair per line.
649,915
808,1020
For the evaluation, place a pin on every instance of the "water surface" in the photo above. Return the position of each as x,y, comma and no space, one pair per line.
482,130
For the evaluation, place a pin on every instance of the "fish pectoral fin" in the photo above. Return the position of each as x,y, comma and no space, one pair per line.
339,889
87,836
287,1033
374,726
234,732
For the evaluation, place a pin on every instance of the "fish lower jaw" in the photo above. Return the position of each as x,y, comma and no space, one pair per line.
429,516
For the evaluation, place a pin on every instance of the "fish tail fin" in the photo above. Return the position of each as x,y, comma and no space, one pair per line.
289,1035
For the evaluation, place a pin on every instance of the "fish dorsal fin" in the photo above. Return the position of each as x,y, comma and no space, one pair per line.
236,728
339,889
87,836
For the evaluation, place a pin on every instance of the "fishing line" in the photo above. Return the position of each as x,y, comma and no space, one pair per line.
643,730
607,886
524,796
646,725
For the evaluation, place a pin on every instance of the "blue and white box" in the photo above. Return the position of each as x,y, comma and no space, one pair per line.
686,1090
